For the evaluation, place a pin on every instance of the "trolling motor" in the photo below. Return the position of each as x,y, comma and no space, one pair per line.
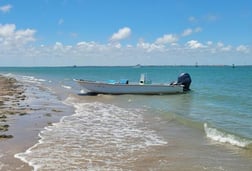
184,79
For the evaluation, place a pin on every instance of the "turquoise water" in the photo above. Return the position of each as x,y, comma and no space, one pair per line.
219,105
220,96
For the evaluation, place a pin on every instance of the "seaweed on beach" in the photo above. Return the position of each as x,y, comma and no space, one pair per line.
11,95
3,116
4,127
5,136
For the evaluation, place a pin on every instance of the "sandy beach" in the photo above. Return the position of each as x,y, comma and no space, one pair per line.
22,117
11,97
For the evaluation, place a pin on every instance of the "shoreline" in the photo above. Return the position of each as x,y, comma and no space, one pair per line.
11,99
23,114
186,146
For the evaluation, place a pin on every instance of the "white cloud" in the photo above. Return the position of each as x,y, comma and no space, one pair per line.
149,47
5,8
85,44
93,53
11,37
242,48
58,45
118,45
122,33
13,48
167,38
187,32
227,48
194,44
209,43
25,36
7,30
143,45
190,31
220,44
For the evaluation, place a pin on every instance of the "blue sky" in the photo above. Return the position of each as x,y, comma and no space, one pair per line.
125,32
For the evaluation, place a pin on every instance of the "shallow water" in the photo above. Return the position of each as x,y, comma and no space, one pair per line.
206,129
102,136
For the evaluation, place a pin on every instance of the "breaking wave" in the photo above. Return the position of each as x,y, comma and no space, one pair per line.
97,137
66,87
224,137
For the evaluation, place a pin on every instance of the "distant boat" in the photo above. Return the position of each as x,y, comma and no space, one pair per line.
143,87
137,66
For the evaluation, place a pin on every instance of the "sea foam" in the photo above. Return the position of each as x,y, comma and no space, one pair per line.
97,137
66,87
224,137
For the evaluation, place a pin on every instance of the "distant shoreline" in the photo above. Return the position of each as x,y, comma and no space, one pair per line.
136,66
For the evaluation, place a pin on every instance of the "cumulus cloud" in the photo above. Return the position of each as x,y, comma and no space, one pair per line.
167,38
93,53
58,45
122,33
222,47
13,45
11,37
149,47
194,44
242,48
7,30
5,8
86,44
227,48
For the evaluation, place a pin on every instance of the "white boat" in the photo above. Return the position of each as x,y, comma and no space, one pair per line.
143,87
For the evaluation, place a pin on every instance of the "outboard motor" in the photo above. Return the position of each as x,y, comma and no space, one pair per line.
185,79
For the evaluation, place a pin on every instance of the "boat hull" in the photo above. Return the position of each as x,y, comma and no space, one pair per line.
106,88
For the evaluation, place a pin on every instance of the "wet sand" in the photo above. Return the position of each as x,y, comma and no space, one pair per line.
11,97
22,116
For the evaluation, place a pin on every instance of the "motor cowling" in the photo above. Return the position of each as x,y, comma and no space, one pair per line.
185,79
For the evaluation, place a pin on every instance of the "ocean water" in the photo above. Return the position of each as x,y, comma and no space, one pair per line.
208,128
